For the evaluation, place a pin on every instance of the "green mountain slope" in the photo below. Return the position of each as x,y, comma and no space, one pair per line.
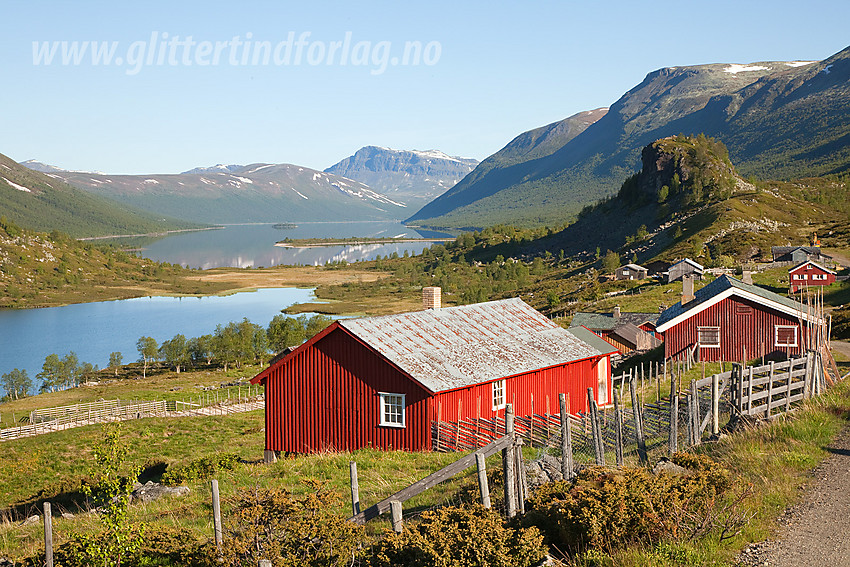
39,202
778,119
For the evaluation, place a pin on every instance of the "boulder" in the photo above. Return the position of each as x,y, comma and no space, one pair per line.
151,491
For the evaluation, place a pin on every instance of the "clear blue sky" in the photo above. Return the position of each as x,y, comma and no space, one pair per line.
495,69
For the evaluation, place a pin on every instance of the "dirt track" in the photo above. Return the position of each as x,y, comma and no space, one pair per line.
815,531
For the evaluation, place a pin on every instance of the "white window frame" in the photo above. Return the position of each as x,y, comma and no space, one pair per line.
776,342
699,337
499,394
388,400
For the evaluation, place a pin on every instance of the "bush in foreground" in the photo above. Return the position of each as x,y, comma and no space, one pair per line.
459,537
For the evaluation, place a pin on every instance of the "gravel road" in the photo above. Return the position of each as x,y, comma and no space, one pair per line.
817,530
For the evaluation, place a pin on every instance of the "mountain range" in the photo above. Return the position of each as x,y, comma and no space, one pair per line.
412,176
778,119
258,192
44,203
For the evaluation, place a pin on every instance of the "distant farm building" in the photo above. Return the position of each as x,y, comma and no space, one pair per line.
626,331
386,381
729,320
798,254
631,272
682,268
809,274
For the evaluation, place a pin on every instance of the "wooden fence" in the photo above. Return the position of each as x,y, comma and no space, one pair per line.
48,420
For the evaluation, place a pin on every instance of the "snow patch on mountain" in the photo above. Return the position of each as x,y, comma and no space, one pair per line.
736,68
798,63
16,186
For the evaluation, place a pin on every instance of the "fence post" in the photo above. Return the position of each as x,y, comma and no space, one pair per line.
695,413
596,429
508,462
355,488
807,377
715,403
522,487
216,506
566,439
638,413
395,510
770,389
48,535
674,415
618,427
483,485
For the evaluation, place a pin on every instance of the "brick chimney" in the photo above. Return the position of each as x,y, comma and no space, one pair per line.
616,312
687,288
431,297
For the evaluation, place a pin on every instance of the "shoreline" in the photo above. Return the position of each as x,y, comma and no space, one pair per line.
151,234
283,244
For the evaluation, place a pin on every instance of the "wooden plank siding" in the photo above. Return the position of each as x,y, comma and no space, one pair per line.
747,329
326,397
573,378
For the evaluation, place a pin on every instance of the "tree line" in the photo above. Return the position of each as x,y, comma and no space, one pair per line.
230,345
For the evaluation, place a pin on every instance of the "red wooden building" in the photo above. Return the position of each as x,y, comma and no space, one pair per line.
729,320
383,381
809,274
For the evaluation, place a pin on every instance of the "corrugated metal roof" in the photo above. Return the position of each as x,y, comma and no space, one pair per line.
722,284
453,347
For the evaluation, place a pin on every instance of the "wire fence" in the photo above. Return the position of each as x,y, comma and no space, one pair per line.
667,424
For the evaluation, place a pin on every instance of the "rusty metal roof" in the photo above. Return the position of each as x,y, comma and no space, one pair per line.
453,347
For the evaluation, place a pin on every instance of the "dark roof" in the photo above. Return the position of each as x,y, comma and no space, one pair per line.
453,347
687,261
593,340
723,287
782,250
606,321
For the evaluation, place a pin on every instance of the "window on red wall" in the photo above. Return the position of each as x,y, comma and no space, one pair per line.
708,337
786,335
498,394
392,409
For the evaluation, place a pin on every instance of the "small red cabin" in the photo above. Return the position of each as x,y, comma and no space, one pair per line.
383,381
729,320
809,274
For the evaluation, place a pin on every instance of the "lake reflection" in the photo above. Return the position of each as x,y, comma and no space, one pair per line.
250,246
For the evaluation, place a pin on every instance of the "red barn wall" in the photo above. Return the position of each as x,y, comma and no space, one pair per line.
572,378
326,397
808,270
738,331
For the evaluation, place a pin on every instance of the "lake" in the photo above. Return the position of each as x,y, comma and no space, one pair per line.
253,245
94,330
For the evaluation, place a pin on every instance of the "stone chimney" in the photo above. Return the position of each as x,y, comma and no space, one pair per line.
616,312
431,297
747,276
687,288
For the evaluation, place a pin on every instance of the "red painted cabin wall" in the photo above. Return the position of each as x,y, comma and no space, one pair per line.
326,397
572,378
809,270
738,331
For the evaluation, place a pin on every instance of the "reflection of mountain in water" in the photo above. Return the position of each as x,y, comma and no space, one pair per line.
251,246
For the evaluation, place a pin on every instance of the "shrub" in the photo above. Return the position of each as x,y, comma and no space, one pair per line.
604,508
200,469
289,531
459,537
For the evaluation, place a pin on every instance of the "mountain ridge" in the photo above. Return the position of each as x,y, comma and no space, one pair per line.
744,105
